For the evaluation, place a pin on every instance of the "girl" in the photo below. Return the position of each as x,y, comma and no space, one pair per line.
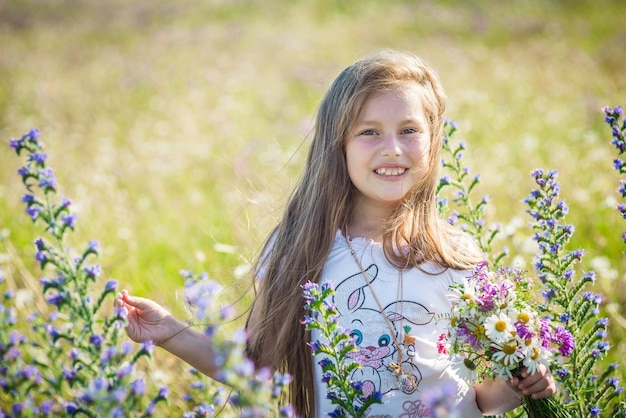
363,216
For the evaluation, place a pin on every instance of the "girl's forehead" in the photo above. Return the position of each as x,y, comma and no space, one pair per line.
406,98
401,90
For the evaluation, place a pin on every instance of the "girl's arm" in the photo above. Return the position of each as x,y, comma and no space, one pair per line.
147,320
499,396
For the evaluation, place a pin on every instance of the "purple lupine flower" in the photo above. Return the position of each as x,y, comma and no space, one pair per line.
594,411
357,386
96,340
69,374
613,381
125,369
16,144
93,271
604,346
121,312
56,298
40,244
138,387
33,212
198,385
325,362
589,276
47,180
602,322
147,347
38,157
326,377
110,286
29,372
41,257
150,409
17,409
74,353
107,354
163,392
32,136
315,346
24,172
47,407
69,220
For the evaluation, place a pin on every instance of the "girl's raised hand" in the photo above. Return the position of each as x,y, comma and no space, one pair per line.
147,320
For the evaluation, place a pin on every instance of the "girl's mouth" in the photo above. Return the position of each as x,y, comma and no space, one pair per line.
385,171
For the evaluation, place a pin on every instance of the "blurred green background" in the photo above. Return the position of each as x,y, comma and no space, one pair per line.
178,128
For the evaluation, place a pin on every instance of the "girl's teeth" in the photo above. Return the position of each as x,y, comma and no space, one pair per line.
390,171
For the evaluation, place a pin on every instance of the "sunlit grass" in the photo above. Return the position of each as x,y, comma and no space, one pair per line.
178,129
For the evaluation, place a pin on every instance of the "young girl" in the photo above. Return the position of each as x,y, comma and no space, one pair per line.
363,216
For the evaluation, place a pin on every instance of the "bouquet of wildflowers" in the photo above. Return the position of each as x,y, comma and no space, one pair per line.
495,332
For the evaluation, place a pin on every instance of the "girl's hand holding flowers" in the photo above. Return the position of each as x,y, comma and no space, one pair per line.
539,385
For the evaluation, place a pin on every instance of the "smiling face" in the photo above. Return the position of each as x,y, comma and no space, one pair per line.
387,151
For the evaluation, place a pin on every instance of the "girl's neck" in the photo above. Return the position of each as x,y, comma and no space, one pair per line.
369,232
369,227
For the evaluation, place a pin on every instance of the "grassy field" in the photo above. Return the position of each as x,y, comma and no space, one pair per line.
178,128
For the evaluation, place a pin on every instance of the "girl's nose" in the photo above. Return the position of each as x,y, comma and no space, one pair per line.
390,146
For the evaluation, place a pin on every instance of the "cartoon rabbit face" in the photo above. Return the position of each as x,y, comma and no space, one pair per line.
372,350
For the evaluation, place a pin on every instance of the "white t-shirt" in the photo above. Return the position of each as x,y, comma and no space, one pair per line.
419,305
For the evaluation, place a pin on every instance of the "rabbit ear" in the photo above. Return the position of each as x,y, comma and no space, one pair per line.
412,312
349,294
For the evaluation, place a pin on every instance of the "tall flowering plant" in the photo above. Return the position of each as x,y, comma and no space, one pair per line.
588,388
614,117
591,389
72,361
495,331
253,392
335,347
76,361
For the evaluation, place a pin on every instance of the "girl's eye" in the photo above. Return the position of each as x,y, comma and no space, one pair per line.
368,132
409,131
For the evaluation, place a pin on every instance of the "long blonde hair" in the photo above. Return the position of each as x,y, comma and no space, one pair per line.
321,204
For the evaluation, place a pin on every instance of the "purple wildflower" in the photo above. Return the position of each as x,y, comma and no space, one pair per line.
93,271
163,393
147,347
138,387
594,411
69,220
38,158
110,286
47,179
565,340
96,340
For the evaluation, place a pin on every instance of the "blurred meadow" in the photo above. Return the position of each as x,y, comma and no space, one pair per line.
179,128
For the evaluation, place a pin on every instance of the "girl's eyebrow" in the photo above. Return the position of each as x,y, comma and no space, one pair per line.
403,122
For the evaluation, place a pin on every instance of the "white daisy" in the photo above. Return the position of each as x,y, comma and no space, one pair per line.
507,353
499,328
534,355
464,368
467,295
